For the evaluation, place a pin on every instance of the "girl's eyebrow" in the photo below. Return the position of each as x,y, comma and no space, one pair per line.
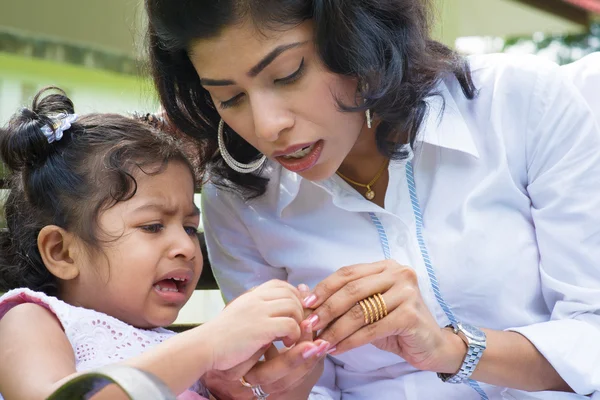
164,209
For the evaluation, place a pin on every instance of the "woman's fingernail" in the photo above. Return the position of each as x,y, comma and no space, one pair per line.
308,328
310,300
323,349
303,288
312,321
331,350
310,352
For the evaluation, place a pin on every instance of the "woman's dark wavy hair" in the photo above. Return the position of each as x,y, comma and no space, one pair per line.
384,44
68,183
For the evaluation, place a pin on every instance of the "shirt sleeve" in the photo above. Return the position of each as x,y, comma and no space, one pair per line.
585,75
238,265
235,259
563,175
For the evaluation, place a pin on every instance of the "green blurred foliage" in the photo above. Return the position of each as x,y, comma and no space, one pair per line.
566,48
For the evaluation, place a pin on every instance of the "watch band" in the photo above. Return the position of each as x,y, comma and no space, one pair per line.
474,352
466,369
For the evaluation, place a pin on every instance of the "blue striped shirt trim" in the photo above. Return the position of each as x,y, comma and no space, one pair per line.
412,189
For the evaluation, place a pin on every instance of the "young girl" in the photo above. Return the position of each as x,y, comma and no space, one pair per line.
102,253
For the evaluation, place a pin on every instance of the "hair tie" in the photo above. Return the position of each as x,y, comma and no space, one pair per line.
59,124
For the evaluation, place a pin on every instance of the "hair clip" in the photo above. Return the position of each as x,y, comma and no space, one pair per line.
60,123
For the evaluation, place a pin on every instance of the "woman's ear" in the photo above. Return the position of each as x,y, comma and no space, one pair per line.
59,250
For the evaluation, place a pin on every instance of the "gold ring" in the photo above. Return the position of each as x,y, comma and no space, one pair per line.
245,383
385,311
365,312
373,308
379,306
368,305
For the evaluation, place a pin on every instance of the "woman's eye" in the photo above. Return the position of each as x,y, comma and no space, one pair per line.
293,77
231,102
191,230
152,228
288,80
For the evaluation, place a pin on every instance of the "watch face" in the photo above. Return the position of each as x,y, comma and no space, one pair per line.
476,333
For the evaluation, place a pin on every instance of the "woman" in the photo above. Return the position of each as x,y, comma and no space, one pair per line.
445,212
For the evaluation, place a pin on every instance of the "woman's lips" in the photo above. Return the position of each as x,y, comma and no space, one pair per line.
304,163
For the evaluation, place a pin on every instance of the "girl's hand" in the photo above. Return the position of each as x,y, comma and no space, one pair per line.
269,312
409,330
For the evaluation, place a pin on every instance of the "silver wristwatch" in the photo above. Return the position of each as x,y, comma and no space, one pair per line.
476,343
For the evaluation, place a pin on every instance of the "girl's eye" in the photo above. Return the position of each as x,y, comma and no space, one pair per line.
288,80
191,230
152,228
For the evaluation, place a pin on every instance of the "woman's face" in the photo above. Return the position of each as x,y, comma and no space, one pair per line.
273,90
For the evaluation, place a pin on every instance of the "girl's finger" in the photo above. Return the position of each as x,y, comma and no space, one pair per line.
285,307
242,369
273,284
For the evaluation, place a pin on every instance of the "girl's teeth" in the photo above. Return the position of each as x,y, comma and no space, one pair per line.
300,153
162,289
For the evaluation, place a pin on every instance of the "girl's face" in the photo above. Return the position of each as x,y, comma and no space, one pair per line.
150,260
273,90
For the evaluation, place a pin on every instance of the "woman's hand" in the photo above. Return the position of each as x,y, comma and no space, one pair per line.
409,330
286,374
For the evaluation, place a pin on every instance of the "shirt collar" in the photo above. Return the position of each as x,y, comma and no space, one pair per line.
443,126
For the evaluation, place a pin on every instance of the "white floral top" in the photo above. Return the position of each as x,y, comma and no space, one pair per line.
97,339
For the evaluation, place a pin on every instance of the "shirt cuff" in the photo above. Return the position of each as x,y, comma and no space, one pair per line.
572,347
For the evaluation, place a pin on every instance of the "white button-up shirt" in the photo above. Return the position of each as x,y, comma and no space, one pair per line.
585,74
509,188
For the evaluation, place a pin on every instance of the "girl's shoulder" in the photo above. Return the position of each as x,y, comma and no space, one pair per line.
97,339
16,297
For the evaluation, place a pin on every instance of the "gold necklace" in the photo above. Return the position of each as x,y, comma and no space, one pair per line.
370,194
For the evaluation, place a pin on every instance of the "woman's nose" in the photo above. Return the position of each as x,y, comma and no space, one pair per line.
270,118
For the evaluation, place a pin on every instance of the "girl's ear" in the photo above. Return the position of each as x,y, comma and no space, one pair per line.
59,250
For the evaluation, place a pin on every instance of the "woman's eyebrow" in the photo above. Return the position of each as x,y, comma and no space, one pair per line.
254,71
269,58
